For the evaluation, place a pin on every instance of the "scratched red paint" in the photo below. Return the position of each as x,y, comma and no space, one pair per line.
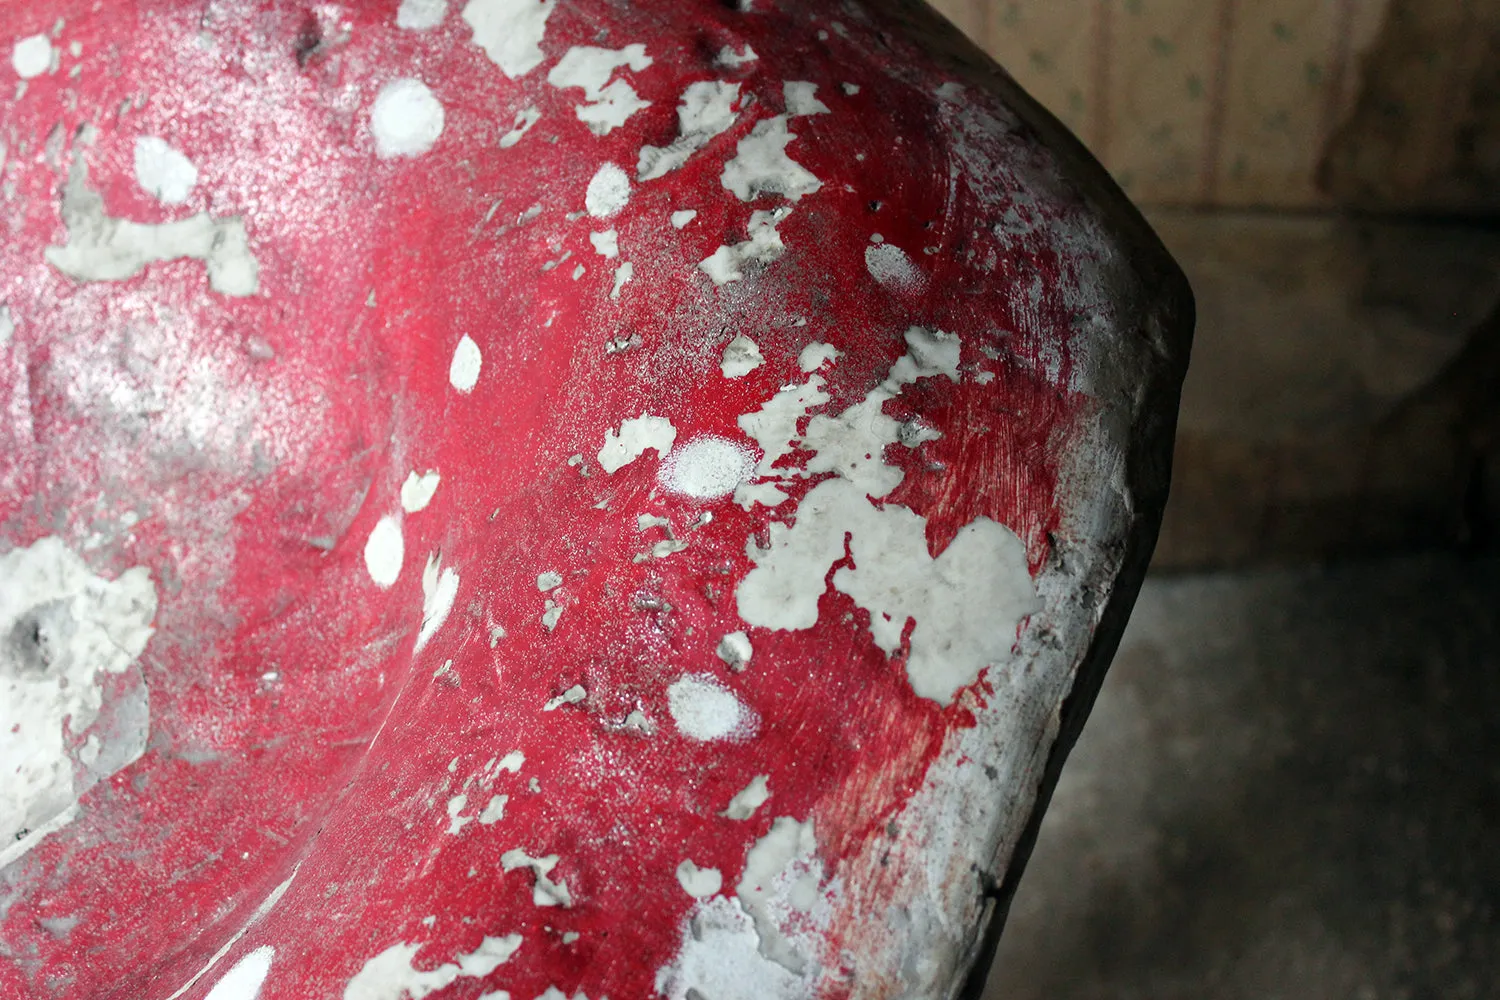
290,722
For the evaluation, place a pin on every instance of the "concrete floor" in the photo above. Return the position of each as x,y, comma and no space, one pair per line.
1289,788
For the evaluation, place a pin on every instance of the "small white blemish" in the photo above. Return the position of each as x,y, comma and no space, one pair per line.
439,590
163,172
7,325
706,468
406,119
417,491
683,217
31,57
571,696
525,118
463,371
734,649
741,357
850,88
510,32
635,436
494,811
544,892
455,806
607,243
385,550
420,15
623,273
800,98
243,981
705,710
816,355
731,59
749,798
608,191
550,580
700,883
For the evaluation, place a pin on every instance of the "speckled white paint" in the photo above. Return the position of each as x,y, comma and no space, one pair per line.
705,710
510,32
163,172
706,468
385,551
890,266
634,438
406,119
463,370
608,191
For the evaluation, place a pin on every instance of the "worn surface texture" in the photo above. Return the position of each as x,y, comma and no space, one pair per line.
521,499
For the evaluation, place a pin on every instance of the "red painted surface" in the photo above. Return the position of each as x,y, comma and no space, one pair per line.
291,723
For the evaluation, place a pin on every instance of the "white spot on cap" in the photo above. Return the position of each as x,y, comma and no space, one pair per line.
243,982
419,15
635,436
463,371
705,710
385,550
31,57
706,468
163,172
741,357
417,491
608,191
700,883
406,119
510,32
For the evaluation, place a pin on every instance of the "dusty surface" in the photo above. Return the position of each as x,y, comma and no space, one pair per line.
1288,788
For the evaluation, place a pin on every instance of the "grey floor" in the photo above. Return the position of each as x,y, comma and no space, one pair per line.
1289,788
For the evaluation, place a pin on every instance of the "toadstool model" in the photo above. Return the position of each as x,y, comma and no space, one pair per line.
548,498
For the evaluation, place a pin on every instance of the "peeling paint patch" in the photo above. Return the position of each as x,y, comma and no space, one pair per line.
101,248
510,32
764,245
244,979
816,355
800,98
748,799
682,217
609,103
761,165
62,629
544,891
720,958
421,15
525,118
391,975
788,845
700,883
735,650
741,357
705,110
635,437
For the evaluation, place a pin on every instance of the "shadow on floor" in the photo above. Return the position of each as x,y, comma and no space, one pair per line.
1289,788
